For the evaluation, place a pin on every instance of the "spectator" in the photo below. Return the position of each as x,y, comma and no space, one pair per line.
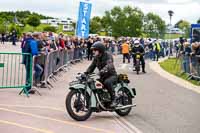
194,60
30,47
89,45
14,37
157,49
125,51
151,52
37,66
82,47
3,38
186,57
61,41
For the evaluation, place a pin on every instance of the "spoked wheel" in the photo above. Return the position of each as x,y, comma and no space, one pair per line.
125,99
78,105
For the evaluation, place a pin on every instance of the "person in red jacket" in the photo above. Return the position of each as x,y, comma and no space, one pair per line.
61,41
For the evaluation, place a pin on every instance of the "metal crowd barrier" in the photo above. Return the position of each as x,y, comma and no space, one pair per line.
53,62
195,68
191,66
15,71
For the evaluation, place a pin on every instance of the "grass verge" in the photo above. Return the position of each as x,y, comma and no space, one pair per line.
173,66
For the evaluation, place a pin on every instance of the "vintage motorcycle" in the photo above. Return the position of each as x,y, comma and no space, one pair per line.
88,95
137,63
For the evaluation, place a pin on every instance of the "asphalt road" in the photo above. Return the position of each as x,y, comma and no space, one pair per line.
162,106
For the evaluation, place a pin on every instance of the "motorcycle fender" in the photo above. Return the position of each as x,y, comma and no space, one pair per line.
77,87
132,91
92,96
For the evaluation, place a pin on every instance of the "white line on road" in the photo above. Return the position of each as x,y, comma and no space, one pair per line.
126,125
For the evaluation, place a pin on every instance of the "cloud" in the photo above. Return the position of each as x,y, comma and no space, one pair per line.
183,9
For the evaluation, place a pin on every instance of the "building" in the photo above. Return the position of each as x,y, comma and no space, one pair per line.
66,23
172,30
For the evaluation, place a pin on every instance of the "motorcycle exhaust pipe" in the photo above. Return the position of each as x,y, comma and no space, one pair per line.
124,107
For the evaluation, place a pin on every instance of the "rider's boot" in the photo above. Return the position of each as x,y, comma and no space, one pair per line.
143,69
114,101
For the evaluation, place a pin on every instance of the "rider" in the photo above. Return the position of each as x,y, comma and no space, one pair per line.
138,48
104,62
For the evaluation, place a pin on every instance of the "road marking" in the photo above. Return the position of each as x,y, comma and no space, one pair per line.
44,107
119,120
24,126
123,122
126,124
39,107
56,120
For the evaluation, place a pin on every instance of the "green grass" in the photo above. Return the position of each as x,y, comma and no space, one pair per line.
172,36
174,67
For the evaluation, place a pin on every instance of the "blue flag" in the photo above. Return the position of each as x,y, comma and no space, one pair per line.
83,23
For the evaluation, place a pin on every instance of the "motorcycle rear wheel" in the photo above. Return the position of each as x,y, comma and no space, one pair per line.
127,96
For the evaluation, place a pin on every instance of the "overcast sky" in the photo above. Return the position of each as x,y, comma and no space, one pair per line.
183,9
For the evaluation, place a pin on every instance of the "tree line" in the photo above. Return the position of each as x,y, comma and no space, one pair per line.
126,21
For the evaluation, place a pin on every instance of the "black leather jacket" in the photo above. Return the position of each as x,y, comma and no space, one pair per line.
105,65
139,49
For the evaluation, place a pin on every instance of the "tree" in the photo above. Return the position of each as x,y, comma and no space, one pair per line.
198,21
2,28
170,12
125,21
185,26
154,25
95,25
50,29
14,27
33,20
106,22
22,15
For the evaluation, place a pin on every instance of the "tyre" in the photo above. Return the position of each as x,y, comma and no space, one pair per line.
137,72
125,99
137,67
78,105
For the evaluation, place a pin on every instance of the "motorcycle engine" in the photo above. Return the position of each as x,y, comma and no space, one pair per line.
104,96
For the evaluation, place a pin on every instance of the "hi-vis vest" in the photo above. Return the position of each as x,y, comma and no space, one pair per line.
157,47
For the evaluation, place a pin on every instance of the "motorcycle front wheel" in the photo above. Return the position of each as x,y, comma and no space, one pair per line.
78,105
137,67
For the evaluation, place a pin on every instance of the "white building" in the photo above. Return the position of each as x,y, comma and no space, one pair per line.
173,30
67,23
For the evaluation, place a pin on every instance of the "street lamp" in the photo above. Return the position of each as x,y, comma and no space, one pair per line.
184,30
170,12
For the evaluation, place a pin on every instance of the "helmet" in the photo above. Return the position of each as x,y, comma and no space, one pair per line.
98,46
136,42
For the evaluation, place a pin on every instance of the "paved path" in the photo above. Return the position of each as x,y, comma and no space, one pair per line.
47,113
162,107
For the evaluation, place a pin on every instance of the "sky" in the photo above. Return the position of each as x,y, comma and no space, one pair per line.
183,9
